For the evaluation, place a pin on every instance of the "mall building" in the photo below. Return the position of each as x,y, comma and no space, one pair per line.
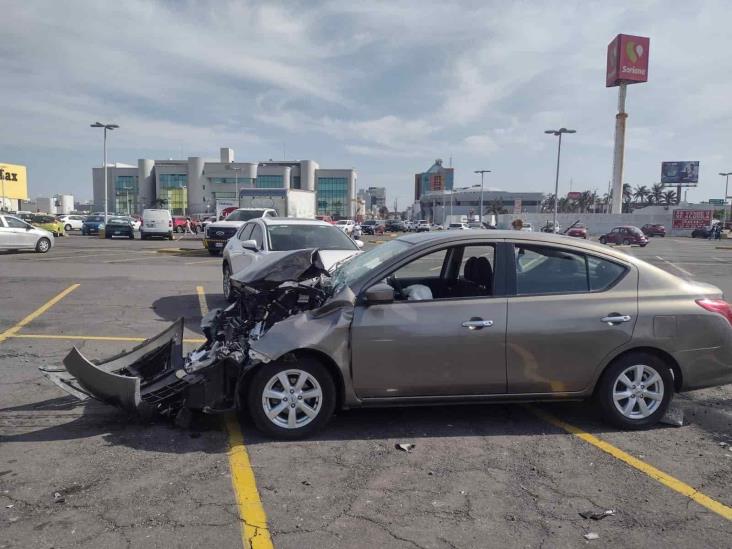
444,206
194,186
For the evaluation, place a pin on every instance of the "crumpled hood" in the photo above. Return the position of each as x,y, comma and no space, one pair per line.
277,267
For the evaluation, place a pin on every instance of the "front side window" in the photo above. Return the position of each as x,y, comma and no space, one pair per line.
258,236
15,223
246,232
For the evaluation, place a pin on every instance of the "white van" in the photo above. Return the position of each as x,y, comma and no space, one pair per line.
156,223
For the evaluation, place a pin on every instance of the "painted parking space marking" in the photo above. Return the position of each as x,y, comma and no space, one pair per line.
656,474
10,332
254,530
680,269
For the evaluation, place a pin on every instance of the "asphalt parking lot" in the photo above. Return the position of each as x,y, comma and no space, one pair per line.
478,476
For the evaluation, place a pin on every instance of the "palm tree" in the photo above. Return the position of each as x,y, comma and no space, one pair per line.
495,206
627,197
640,193
656,194
586,199
669,198
159,202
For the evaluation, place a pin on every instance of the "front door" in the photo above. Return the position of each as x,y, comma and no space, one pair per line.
570,311
445,333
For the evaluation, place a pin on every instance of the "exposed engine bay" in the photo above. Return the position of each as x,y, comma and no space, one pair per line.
156,378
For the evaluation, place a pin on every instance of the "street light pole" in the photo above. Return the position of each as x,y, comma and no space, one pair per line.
726,192
106,127
236,170
481,172
558,133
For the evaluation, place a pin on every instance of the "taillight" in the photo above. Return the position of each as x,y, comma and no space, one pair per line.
170,223
719,306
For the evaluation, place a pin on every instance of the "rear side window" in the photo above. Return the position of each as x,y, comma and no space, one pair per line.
547,270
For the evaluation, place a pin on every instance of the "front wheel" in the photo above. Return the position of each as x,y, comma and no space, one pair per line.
635,391
626,242
67,228
43,245
603,240
228,290
291,400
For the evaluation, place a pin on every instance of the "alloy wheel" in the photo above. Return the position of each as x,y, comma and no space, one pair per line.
638,391
292,399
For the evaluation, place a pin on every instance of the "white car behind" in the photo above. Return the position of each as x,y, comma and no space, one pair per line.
263,236
72,222
346,225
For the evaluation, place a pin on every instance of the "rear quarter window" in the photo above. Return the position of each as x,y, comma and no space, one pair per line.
603,274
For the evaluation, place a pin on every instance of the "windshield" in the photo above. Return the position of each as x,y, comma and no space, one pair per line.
245,215
361,265
119,220
298,237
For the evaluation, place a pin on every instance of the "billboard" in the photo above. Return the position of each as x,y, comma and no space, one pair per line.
692,219
574,195
685,173
627,60
14,183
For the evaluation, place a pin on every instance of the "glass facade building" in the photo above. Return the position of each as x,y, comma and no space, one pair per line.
269,182
126,192
174,192
437,178
332,196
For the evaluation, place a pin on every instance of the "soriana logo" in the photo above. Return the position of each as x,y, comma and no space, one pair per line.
627,60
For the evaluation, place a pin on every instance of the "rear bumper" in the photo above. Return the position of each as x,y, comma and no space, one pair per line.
708,366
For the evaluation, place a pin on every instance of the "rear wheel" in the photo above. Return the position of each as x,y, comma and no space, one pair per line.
603,240
67,228
634,391
626,242
291,400
43,245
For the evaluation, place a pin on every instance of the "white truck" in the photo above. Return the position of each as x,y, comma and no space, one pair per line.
286,202
217,234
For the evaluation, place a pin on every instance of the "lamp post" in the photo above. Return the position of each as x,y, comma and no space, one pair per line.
2,179
558,133
236,170
726,192
106,127
481,172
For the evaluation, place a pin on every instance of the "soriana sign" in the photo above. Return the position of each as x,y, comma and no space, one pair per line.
627,60
692,219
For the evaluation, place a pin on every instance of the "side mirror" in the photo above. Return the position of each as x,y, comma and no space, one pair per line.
28,227
359,243
250,245
379,293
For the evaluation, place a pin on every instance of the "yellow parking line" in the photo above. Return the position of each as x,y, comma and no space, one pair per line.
94,338
254,530
656,474
10,332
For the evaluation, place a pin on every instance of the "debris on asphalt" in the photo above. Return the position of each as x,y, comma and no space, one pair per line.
306,482
404,447
10,506
58,497
597,515
674,416
591,536
14,519
723,444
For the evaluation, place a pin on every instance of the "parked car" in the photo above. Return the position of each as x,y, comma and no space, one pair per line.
119,226
458,227
475,225
207,221
326,218
261,237
16,234
653,230
701,233
577,230
548,227
156,222
218,234
91,224
627,235
71,222
394,226
345,225
179,224
423,226
527,228
49,223
372,226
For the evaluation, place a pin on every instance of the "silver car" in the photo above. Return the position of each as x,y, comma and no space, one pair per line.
262,236
16,234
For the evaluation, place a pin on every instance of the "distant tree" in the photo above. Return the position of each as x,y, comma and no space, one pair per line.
547,205
627,197
495,207
669,198
383,212
640,193
159,203
656,194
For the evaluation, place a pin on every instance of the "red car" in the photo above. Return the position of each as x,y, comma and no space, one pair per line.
626,235
179,224
326,218
651,229
578,231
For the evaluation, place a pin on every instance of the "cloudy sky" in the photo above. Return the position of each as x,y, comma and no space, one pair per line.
385,87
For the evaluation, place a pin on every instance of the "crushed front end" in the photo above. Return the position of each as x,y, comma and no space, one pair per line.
155,376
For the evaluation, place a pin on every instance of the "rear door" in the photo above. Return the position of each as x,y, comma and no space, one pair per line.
570,310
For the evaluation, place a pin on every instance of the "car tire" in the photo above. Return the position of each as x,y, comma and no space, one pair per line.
626,242
43,245
603,240
611,387
213,252
318,381
229,294
67,228
132,236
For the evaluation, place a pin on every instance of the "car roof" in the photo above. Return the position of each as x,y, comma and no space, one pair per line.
290,221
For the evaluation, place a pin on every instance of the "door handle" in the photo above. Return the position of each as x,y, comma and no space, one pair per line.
615,318
477,324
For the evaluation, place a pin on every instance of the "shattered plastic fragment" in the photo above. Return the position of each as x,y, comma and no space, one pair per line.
674,416
597,515
58,497
591,536
404,447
